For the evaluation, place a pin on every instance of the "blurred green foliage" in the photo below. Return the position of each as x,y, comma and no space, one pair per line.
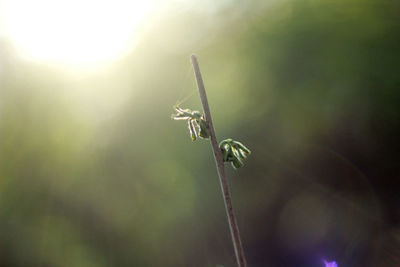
93,172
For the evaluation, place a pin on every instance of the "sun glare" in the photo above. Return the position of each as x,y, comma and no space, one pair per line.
73,31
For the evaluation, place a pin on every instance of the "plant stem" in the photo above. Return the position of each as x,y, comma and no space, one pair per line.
237,243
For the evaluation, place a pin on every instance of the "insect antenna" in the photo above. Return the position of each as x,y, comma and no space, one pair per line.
181,94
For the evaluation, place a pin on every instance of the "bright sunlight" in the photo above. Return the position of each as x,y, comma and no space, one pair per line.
73,31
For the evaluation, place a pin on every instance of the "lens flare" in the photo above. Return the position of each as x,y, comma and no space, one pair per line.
330,264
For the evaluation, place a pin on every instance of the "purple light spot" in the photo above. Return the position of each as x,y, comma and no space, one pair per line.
330,264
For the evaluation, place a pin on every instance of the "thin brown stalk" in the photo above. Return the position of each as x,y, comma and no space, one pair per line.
237,243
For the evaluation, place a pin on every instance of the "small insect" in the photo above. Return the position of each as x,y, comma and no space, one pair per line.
197,124
234,152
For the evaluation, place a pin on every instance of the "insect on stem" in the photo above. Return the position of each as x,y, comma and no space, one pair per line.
237,243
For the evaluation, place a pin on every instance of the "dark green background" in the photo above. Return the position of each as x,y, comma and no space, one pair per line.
93,172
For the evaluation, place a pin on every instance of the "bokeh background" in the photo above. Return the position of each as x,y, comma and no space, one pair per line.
93,172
